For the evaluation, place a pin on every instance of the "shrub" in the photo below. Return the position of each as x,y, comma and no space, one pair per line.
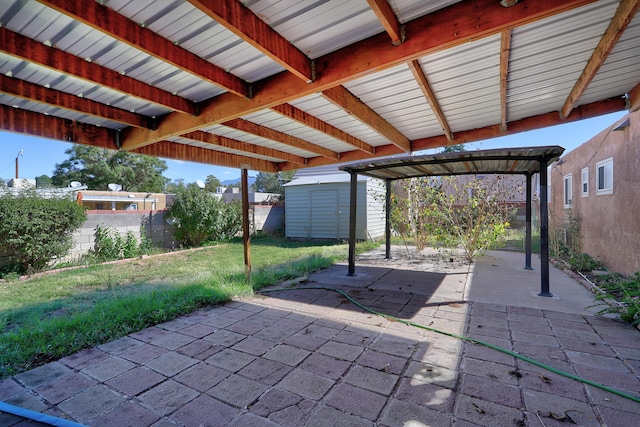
471,215
111,245
34,231
199,216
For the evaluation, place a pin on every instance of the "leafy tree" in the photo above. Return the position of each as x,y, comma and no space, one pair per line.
272,182
34,230
43,181
200,216
173,187
98,167
211,184
456,213
456,148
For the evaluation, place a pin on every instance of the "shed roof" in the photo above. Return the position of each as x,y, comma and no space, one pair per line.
291,84
525,160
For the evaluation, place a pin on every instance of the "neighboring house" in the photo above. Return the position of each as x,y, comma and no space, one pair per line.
122,200
317,205
234,194
597,183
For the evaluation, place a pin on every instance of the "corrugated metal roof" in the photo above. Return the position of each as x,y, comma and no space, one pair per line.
545,60
525,160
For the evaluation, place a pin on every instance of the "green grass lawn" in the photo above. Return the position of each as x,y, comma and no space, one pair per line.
51,316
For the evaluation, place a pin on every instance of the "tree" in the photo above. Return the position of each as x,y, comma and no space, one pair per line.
453,211
43,181
200,216
456,148
272,182
98,167
173,187
34,230
211,184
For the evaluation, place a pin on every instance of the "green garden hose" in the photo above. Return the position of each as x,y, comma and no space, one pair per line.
460,337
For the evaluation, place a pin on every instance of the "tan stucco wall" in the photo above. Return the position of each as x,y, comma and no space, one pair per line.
609,223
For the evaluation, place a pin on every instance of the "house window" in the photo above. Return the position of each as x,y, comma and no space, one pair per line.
585,182
604,179
99,206
568,194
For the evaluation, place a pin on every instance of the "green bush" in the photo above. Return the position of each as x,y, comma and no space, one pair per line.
34,231
111,245
199,216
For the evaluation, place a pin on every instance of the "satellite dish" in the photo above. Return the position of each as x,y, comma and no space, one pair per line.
75,184
200,184
114,187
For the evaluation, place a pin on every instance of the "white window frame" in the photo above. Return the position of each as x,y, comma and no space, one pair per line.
568,191
604,181
585,182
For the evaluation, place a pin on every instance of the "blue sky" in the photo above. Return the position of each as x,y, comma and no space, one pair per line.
41,155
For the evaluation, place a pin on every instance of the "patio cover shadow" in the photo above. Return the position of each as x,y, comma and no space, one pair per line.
396,292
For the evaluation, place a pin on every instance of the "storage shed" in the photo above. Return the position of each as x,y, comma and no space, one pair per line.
317,205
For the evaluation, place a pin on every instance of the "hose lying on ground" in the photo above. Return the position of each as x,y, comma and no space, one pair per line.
460,337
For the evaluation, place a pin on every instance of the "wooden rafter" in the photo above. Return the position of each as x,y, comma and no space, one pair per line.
351,104
307,119
388,19
517,126
442,29
523,125
239,19
281,137
623,16
422,81
30,50
41,125
246,147
189,153
27,90
126,31
505,48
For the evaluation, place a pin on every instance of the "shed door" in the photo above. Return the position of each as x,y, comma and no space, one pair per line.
324,214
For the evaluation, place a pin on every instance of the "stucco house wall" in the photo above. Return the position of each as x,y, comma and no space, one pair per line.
609,220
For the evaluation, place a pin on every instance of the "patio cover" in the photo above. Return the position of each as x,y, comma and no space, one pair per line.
526,161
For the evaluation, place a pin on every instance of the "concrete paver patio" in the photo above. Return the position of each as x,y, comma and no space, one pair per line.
312,358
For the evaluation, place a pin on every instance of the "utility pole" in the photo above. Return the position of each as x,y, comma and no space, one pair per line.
19,154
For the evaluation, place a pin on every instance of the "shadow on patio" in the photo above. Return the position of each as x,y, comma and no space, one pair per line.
311,357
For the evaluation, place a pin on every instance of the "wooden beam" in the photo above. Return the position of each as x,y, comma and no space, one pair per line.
240,20
41,125
189,153
307,119
422,81
623,16
634,99
281,137
442,29
30,50
527,124
505,49
126,31
388,19
55,98
246,147
361,111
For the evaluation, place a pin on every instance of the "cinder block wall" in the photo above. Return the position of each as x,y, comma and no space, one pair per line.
156,228
269,219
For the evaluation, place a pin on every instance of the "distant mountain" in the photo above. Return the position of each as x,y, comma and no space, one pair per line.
229,182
